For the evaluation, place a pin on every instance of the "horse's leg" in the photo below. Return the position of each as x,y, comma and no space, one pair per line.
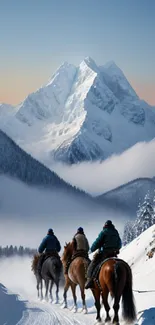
50,291
105,293
57,291
47,286
39,285
96,293
73,287
116,308
82,288
41,288
120,279
67,285
38,288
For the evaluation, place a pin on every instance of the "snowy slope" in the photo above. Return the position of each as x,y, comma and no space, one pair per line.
82,113
26,310
143,269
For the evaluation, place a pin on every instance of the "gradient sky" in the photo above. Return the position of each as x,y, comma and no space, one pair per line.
36,36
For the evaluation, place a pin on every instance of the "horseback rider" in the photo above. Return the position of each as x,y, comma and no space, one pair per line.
80,247
80,242
51,245
108,242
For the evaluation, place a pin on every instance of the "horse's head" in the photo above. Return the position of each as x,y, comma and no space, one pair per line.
67,253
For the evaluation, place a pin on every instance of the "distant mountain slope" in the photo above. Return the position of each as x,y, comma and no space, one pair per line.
127,196
62,198
83,113
17,163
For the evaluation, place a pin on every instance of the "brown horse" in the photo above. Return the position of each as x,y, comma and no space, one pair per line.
76,275
115,277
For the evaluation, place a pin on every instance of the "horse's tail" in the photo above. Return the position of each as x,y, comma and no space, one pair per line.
57,268
117,278
35,263
129,310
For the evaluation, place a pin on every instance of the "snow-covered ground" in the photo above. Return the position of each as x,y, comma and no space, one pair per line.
19,305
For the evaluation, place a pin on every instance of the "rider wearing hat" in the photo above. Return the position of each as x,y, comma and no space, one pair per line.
80,247
50,245
80,241
108,242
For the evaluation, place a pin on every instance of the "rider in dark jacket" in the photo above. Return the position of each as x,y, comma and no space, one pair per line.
108,242
51,245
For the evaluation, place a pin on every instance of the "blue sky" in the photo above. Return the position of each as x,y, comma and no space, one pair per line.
37,36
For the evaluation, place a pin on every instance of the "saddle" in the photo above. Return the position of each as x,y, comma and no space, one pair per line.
44,257
51,254
80,253
105,257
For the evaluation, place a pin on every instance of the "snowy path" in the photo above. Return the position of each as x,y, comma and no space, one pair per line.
25,309
22,312
53,315
31,312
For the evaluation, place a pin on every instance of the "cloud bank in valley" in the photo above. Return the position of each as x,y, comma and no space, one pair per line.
97,178
26,213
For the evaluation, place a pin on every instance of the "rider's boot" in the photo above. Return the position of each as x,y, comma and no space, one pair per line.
90,272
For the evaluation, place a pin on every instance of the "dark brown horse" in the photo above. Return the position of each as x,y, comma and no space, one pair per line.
115,277
76,275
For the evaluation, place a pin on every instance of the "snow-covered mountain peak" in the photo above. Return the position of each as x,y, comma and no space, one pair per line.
110,64
117,82
87,112
48,101
65,70
89,62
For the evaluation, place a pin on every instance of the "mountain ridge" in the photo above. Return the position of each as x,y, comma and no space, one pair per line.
128,195
83,113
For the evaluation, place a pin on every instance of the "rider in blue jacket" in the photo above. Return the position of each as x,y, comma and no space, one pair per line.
108,243
50,245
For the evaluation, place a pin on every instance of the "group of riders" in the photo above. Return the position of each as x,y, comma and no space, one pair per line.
108,244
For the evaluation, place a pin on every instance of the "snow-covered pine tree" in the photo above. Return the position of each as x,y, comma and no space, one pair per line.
145,215
145,219
128,234
153,206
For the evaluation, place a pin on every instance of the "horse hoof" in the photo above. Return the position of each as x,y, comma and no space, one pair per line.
40,299
98,322
64,306
108,319
55,302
